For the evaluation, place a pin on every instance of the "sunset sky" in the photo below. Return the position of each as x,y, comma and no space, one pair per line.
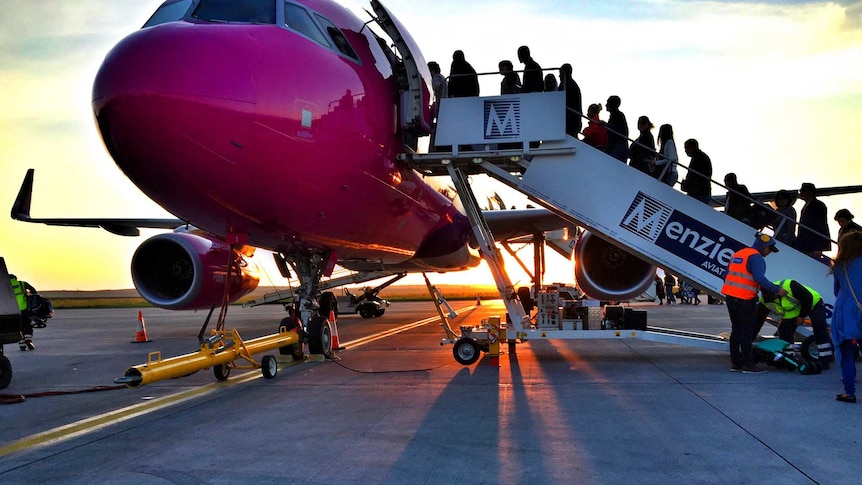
772,90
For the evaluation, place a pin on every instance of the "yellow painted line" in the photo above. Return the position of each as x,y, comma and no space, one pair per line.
89,425
95,423
397,330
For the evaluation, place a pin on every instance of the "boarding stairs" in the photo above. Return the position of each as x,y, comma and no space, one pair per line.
591,189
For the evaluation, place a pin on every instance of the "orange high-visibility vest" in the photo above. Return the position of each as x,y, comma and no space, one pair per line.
739,282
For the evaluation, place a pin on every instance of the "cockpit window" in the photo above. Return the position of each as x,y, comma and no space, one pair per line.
170,11
298,19
337,37
245,11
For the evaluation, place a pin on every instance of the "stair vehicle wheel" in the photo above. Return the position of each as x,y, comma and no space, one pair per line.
5,372
221,372
466,351
268,366
809,349
379,313
319,336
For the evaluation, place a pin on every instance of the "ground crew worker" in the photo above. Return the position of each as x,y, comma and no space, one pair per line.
20,288
800,301
746,274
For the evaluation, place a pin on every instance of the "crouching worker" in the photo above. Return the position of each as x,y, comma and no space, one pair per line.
801,301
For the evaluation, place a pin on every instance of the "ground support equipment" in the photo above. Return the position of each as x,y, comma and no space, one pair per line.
778,353
10,323
222,351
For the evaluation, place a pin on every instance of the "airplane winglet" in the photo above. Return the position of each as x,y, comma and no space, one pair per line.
21,207
121,227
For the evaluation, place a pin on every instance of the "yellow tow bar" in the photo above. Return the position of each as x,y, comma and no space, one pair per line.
220,351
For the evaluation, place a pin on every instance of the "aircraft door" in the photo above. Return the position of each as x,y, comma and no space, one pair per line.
416,103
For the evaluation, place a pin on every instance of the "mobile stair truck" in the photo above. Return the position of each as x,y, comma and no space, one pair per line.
618,204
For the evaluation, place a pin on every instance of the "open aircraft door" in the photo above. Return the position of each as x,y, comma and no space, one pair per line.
416,112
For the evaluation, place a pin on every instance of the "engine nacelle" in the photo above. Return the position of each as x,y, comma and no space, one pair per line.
183,271
605,272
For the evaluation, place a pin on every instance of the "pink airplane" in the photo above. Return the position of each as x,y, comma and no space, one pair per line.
277,125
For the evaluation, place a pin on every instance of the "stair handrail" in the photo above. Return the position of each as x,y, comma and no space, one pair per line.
757,202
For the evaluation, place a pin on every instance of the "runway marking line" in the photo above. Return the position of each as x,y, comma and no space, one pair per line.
95,423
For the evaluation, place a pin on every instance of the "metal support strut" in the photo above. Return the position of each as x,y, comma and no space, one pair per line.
518,318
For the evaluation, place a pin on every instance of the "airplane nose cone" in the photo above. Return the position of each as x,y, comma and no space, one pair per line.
166,82
178,59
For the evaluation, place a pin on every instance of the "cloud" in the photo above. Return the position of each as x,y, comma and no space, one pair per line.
39,34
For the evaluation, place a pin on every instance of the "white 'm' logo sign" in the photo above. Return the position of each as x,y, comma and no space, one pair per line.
506,126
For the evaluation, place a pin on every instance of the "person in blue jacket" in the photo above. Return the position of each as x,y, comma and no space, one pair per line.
847,317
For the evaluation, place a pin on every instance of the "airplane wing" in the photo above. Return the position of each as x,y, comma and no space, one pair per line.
122,227
718,200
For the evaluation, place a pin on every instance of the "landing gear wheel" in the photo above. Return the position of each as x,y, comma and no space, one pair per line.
466,351
293,350
319,336
328,303
268,366
221,372
5,372
809,349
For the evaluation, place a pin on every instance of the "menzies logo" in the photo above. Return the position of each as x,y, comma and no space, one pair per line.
680,234
502,118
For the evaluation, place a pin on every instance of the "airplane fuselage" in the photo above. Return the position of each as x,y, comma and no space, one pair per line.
258,131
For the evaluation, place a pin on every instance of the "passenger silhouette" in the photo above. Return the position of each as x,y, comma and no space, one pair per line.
844,218
533,82
595,134
438,84
784,222
815,240
463,80
574,108
665,164
698,182
618,130
550,83
738,202
511,83
643,149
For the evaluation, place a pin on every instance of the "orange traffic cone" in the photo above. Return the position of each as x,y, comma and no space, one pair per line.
336,345
141,334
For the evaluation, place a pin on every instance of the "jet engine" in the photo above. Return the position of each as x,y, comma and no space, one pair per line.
185,271
606,272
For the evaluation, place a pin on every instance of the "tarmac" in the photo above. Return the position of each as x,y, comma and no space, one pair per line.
397,408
